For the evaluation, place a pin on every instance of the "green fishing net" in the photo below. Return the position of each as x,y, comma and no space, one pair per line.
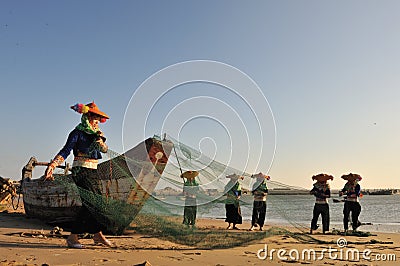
136,195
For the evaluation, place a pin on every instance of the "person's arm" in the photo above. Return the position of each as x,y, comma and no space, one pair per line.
313,191
185,193
101,143
328,193
255,188
262,189
319,194
342,192
61,155
238,190
70,144
356,192
58,160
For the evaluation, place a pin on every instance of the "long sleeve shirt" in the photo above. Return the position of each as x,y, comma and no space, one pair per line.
260,191
190,191
86,148
352,191
234,191
321,192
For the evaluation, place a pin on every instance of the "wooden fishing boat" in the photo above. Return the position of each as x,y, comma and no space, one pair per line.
129,178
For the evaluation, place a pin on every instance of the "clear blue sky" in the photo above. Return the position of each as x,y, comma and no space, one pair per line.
329,69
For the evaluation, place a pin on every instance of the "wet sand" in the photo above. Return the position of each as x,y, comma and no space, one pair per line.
26,241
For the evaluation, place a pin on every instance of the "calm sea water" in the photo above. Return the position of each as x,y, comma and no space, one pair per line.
383,211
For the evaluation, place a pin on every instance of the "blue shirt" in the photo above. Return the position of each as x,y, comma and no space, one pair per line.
82,144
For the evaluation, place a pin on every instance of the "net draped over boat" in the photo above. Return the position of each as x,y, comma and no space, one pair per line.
136,196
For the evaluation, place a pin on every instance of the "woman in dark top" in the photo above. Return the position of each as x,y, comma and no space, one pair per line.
321,191
190,191
87,143
260,191
233,192
352,192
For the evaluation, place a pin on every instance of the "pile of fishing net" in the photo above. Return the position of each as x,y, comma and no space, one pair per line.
158,208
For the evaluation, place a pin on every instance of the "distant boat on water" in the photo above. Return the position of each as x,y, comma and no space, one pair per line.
286,191
382,191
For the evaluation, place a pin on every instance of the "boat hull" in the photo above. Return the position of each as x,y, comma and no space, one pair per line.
129,178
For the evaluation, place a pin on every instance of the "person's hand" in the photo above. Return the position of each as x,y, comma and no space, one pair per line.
100,135
48,174
101,146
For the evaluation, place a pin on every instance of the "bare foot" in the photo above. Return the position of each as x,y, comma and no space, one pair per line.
99,238
73,242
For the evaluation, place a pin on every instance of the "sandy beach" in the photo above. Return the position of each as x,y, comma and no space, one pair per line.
26,241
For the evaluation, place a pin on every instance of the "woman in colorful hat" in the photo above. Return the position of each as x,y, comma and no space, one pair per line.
352,192
190,191
232,206
260,191
87,143
321,191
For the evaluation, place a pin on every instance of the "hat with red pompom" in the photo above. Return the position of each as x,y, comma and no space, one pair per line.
90,108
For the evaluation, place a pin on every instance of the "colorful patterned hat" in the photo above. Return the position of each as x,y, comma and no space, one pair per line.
322,177
190,174
90,108
352,177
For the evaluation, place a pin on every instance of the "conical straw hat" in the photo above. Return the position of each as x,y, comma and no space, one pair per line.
89,108
351,177
322,177
190,174
261,176
235,176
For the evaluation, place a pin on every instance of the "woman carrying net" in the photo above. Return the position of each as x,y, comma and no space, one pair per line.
87,143
232,205
260,191
352,192
321,191
190,191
